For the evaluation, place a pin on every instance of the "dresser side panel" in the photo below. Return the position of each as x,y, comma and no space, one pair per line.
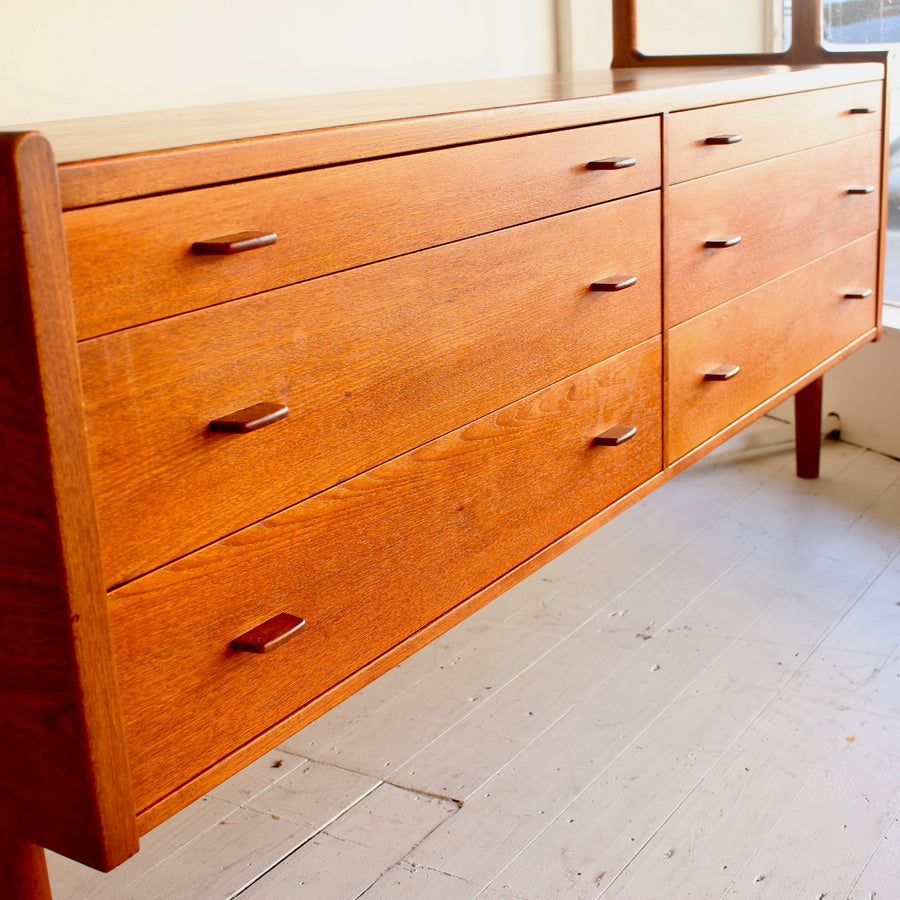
63,775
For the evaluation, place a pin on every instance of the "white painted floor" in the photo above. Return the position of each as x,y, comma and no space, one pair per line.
702,700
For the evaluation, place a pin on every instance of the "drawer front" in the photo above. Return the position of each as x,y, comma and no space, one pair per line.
786,212
775,334
371,363
365,564
132,262
762,129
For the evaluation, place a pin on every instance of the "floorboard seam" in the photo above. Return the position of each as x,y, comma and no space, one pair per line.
322,828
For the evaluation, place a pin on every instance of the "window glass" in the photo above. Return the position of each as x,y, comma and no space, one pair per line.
861,22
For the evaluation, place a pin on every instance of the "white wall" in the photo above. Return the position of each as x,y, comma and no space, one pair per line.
585,34
72,58
863,390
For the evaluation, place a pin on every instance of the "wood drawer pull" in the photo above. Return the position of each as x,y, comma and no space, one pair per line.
861,189
727,240
235,243
616,435
724,139
722,373
250,418
614,283
269,635
613,162
863,111
861,294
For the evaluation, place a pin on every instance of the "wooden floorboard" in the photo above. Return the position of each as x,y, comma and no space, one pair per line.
701,700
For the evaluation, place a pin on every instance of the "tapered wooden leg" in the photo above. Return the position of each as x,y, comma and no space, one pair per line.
807,428
23,869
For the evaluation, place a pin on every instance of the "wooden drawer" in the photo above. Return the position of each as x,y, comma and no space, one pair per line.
786,212
371,363
769,127
365,564
132,262
775,334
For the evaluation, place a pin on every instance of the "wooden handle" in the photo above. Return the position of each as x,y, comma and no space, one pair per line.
724,139
726,240
863,111
722,373
614,283
269,635
861,189
250,418
612,162
860,294
235,243
616,435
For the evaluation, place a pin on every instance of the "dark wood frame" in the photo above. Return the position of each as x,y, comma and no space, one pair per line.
57,666
805,47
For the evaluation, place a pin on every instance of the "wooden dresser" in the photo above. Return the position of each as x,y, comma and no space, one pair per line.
363,363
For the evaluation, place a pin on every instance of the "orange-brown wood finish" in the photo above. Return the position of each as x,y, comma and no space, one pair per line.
271,737
334,343
62,747
774,334
370,362
119,157
361,565
132,262
767,128
154,815
786,211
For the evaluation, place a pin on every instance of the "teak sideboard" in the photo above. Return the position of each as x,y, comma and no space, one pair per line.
289,389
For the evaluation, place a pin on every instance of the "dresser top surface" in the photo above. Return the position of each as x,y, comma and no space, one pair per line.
112,158
609,92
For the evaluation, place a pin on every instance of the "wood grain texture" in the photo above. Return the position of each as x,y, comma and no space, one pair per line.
674,466
378,563
150,817
800,210
371,363
775,334
116,157
63,776
131,262
739,500
247,753
366,564
768,128
265,741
